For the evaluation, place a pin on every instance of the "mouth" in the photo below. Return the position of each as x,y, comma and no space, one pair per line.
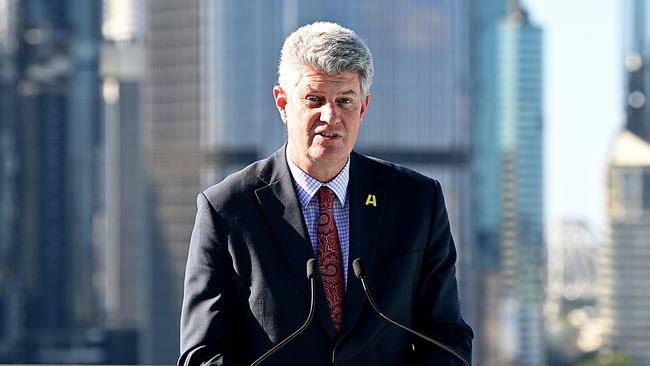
328,134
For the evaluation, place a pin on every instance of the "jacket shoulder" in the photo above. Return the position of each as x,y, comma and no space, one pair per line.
398,175
238,185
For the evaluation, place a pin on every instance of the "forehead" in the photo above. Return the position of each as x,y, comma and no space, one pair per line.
314,80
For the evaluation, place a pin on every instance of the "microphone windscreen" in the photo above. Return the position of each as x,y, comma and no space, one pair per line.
358,268
311,268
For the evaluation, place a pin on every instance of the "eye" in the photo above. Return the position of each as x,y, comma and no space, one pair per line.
314,99
344,101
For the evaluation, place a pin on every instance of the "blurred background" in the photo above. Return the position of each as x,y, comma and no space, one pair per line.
115,114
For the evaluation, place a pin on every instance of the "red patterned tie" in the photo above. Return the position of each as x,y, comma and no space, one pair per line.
330,260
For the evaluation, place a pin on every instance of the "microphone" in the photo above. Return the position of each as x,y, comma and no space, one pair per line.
361,275
311,273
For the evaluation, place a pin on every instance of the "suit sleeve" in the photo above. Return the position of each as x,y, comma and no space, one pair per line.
437,305
208,335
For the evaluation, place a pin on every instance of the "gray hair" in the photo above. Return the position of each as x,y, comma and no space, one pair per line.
328,48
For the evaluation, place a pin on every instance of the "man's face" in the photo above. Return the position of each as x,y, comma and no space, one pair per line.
323,114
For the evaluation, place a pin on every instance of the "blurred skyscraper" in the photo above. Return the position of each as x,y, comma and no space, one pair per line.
625,295
208,74
520,137
52,294
637,79
124,263
208,111
508,135
485,16
9,291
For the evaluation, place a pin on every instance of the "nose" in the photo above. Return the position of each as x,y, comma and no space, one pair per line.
329,113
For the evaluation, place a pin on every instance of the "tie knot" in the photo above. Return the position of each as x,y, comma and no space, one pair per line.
326,196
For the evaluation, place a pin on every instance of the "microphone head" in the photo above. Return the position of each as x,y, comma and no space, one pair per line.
358,268
311,270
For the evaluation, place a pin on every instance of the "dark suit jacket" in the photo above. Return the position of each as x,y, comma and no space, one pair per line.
246,287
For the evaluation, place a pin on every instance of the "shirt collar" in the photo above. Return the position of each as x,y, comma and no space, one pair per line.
309,186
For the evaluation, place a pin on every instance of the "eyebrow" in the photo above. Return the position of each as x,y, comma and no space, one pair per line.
347,92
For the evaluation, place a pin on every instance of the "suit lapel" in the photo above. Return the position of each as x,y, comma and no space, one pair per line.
280,204
367,204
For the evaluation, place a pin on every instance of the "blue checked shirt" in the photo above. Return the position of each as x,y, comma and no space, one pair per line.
307,188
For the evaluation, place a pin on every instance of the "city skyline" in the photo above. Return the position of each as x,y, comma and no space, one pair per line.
183,87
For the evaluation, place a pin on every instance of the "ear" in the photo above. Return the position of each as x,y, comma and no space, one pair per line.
364,107
280,101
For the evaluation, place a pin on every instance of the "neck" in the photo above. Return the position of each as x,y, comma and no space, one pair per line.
321,171
323,175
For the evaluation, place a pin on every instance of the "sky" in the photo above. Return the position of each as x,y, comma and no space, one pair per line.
583,102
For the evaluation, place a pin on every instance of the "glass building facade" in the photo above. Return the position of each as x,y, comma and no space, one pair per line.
636,34
507,174
9,330
123,259
485,19
624,295
507,169
520,151
50,173
624,292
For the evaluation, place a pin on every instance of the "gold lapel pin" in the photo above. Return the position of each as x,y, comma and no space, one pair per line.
371,200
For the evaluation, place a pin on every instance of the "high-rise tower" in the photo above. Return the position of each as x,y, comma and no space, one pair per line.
124,262
624,294
10,331
56,111
508,133
485,19
637,78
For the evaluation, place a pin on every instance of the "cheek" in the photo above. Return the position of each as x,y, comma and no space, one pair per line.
299,127
309,121
353,125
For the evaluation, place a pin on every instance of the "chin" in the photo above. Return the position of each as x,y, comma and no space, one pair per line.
329,154
330,161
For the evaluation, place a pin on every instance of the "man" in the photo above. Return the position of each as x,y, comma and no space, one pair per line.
245,284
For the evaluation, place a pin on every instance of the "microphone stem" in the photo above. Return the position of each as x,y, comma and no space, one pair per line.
297,332
439,344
